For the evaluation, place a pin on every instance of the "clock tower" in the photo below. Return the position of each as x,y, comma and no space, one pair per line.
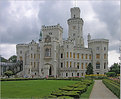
75,27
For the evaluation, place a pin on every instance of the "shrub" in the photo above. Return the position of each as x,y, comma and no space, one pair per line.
112,86
111,74
64,97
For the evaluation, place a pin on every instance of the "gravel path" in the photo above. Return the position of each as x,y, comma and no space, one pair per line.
100,91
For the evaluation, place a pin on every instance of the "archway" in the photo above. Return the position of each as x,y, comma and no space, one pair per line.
50,71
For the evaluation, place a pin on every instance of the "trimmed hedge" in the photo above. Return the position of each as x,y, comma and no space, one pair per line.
112,86
73,91
19,79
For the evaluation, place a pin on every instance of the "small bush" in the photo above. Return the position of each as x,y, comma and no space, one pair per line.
112,86
111,74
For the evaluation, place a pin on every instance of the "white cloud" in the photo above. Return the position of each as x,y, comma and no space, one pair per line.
113,57
7,50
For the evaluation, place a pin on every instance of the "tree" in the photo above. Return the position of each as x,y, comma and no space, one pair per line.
111,74
13,59
89,69
2,59
115,68
8,73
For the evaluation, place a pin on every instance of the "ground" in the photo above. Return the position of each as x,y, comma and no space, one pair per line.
31,88
100,91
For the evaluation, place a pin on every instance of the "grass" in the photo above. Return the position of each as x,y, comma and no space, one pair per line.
31,88
86,94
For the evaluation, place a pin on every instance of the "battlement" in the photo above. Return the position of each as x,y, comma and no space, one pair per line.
98,40
52,27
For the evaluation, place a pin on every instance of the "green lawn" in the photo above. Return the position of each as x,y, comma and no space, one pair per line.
31,88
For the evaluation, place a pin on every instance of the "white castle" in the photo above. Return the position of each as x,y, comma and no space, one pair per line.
53,56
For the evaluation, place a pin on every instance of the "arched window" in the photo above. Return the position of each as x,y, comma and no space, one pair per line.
47,52
98,65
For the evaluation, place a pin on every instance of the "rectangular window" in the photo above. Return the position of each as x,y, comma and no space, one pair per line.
98,56
86,56
104,65
77,74
34,56
34,64
67,54
78,65
61,55
31,63
104,56
73,55
66,74
70,54
61,65
77,55
21,58
82,74
86,65
70,64
82,66
74,64
39,56
72,74
67,64
82,56
97,48
104,48
90,57
31,55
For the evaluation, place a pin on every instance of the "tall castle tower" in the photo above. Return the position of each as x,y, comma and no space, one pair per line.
75,27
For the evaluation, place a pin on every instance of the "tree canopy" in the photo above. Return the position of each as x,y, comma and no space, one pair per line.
115,68
89,69
13,58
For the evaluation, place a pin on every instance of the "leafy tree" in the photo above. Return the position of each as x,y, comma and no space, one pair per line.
2,59
13,59
89,69
115,68
111,74
8,73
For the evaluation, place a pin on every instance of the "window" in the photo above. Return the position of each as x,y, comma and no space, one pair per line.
97,73
86,65
74,64
74,27
77,55
77,74
31,63
50,33
86,56
73,55
47,52
21,58
66,74
90,56
67,46
34,56
78,65
72,74
35,73
97,48
98,56
98,65
31,48
31,55
104,56
82,74
74,34
20,52
104,65
67,54
82,56
82,66
39,56
34,64
61,55
70,54
104,48
67,64
70,64
61,65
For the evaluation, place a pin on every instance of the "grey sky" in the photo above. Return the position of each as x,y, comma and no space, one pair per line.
20,21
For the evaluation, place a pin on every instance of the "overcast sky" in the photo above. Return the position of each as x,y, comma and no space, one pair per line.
20,22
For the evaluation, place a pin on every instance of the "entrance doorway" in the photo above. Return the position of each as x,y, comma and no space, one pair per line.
50,71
